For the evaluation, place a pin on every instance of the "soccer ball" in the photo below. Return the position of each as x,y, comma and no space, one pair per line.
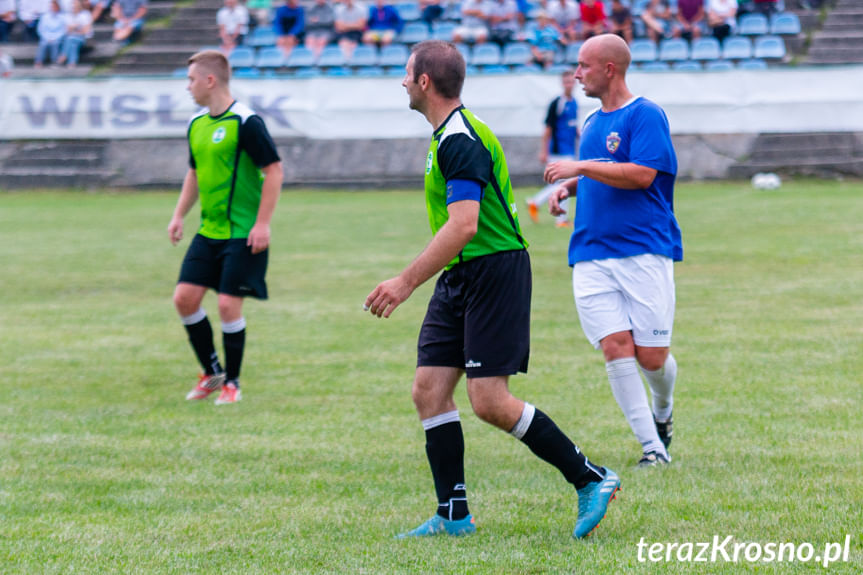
766,181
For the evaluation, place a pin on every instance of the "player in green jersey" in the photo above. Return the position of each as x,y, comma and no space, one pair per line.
478,320
236,172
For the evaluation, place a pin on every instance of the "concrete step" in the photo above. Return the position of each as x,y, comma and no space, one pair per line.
47,177
185,37
786,156
849,167
841,26
818,139
836,53
60,154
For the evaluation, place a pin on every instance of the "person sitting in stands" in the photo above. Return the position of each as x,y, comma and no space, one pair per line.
383,25
233,21
128,18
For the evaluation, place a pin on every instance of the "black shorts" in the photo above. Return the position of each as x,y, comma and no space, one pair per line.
479,317
227,266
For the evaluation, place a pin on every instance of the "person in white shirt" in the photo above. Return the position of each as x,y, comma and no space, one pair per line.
474,22
565,16
79,27
721,17
233,21
29,12
51,30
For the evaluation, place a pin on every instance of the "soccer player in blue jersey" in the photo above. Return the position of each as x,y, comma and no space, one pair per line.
559,142
625,240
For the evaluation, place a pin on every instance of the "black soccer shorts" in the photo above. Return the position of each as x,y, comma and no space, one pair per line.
227,266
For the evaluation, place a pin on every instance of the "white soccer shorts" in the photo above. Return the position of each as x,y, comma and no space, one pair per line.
627,294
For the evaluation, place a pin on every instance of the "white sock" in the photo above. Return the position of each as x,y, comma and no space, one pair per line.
661,384
628,390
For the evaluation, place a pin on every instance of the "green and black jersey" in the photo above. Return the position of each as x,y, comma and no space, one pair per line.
464,148
227,152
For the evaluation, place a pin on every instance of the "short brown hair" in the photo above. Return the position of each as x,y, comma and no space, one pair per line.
213,62
443,64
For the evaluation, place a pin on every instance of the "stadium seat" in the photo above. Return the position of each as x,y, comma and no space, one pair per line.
307,73
260,37
180,72
301,57
494,69
785,23
471,70
718,66
753,24
638,7
395,72
526,69
331,57
270,58
753,64
242,57
571,56
673,50
246,73
339,71
464,49
656,66
414,32
643,50
737,48
394,55
706,49
486,55
370,71
558,69
409,11
364,55
443,30
687,66
772,47
516,54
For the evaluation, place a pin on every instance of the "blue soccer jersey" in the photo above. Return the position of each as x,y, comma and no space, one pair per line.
562,118
616,223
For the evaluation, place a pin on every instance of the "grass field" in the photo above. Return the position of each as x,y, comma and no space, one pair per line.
104,468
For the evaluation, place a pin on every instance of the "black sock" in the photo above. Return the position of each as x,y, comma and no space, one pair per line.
234,344
445,451
201,338
550,444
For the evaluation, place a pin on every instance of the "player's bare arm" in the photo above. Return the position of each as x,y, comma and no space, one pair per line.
446,245
187,199
259,235
627,176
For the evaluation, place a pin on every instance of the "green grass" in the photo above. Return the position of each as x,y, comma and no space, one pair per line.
104,468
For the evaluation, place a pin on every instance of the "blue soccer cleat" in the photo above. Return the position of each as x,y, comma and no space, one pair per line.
593,501
437,525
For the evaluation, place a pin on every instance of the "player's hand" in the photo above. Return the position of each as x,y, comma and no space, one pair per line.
554,200
175,230
543,157
259,238
561,170
385,298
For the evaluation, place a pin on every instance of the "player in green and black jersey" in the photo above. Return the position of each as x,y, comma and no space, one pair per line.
235,170
478,319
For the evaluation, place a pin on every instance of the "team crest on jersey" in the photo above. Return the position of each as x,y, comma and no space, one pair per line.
429,162
219,135
612,142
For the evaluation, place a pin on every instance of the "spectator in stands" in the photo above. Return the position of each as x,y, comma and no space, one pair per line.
99,8
690,19
128,18
657,20
233,21
29,12
593,20
565,15
621,20
7,18
383,25
721,17
503,21
544,41
766,7
320,19
79,27
474,23
260,12
51,29
289,24
431,11
351,20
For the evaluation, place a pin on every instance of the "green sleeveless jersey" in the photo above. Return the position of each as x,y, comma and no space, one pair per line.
227,152
464,148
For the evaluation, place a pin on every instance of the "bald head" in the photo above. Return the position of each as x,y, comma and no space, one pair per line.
609,48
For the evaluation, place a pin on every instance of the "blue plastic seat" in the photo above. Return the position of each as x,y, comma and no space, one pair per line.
409,11
655,66
486,55
526,69
246,73
261,36
753,64
673,50
270,58
308,73
394,55
443,30
331,57
494,69
370,72
785,23
718,66
706,49
339,71
364,55
753,24
242,57
687,66
301,57
516,54
737,48
414,32
464,50
571,56
772,47
643,50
